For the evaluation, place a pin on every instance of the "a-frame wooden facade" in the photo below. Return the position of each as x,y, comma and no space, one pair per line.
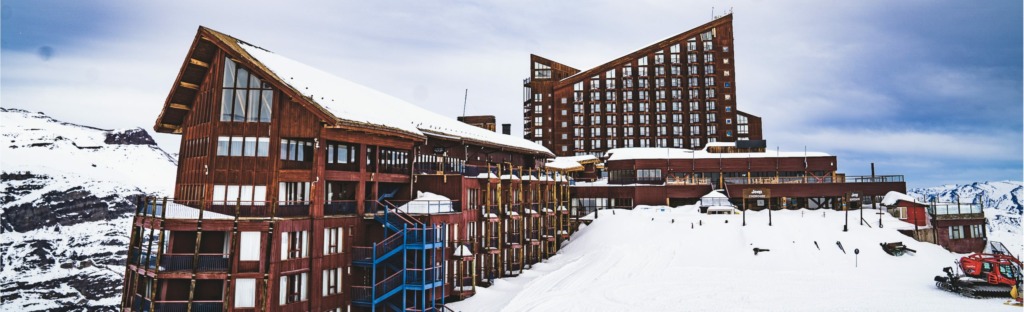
282,204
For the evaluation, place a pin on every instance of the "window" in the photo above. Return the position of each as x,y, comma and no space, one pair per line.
694,142
296,150
294,245
677,142
694,118
709,81
743,129
712,130
537,121
294,193
708,57
333,240
691,44
245,292
538,109
239,194
642,61
538,132
648,175
628,131
293,288
332,282
708,46
249,246
709,69
976,231
694,130
341,153
243,146
541,71
245,98
694,105
705,36
711,105
956,232
725,49
901,212
709,93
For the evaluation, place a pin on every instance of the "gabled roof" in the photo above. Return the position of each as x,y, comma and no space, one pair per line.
343,103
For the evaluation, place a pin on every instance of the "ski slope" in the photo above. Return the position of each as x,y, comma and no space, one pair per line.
640,260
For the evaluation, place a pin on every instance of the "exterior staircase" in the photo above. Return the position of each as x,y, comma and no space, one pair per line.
406,267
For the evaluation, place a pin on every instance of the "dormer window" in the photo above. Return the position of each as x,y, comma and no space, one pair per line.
245,97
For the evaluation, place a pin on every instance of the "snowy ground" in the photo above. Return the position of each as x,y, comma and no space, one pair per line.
629,262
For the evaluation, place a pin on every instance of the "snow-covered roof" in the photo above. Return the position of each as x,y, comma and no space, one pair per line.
427,203
563,164
682,153
893,196
360,105
714,194
463,251
509,177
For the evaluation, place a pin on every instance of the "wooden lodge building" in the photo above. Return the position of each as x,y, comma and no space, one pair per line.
672,176
301,191
677,93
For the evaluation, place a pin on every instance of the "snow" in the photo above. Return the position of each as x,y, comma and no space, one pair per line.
561,164
427,203
179,211
682,153
509,177
463,251
893,196
359,104
643,260
486,175
76,156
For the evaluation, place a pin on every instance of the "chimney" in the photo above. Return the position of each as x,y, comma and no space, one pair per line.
506,129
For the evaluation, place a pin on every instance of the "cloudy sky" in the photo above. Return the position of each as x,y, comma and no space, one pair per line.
928,89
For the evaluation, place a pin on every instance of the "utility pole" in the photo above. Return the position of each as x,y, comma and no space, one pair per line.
465,97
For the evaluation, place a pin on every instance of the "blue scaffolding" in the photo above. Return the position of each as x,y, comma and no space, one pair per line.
406,267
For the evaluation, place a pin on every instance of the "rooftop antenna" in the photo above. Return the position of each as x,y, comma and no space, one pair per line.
712,12
464,98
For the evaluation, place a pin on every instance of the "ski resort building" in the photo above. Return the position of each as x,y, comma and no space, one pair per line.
677,93
301,191
744,171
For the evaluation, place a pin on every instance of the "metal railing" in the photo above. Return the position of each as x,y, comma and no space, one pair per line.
206,262
428,207
340,207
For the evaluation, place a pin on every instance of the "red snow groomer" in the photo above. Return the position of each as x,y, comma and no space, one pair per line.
984,275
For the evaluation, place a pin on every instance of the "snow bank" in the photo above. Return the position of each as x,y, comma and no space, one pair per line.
643,260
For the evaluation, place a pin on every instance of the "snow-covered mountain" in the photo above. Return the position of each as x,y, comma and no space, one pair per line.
1003,202
67,201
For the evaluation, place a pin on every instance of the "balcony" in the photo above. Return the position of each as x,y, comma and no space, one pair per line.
340,207
203,262
955,211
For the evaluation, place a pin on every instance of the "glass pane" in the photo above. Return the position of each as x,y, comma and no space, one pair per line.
250,147
223,145
254,106
267,103
229,73
301,152
330,153
239,113
243,78
284,149
246,194
225,105
343,154
254,82
232,193
263,147
236,146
